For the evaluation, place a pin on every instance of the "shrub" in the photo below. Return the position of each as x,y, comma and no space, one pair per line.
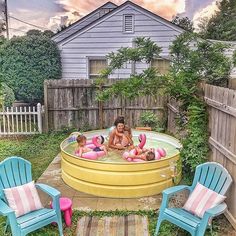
148,118
8,95
25,62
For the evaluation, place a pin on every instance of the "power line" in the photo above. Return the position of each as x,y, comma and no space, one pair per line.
39,27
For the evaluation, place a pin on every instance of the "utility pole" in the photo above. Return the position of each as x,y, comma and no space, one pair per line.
6,18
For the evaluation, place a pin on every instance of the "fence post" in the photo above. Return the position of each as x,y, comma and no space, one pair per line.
39,114
46,125
100,111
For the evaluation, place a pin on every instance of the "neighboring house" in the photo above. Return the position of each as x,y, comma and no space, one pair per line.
85,44
229,52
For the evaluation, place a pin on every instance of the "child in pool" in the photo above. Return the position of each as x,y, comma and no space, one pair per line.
81,140
146,156
126,137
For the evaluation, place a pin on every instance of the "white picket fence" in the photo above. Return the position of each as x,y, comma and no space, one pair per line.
21,120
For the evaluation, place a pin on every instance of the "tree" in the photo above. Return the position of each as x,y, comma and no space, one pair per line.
34,32
8,95
48,33
146,82
234,58
25,62
193,60
222,25
2,27
2,40
184,23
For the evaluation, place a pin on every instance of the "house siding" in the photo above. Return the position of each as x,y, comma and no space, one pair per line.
108,36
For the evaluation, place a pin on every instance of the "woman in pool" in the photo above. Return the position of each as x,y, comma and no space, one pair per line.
120,137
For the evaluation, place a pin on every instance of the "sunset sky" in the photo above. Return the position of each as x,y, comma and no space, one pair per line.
49,13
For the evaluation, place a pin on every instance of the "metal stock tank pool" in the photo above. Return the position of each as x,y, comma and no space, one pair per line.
112,176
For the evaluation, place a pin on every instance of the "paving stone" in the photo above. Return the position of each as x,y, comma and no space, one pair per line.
110,204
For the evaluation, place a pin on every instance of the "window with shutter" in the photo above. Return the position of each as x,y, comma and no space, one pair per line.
128,24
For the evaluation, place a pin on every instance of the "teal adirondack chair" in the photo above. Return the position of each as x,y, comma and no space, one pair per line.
213,176
15,171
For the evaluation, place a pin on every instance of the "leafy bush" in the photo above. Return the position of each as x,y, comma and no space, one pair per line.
8,95
234,58
25,62
195,143
148,118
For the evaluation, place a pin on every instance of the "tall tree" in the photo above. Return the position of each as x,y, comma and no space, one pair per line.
184,23
222,25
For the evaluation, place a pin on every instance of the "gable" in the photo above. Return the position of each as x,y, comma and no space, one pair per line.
159,23
83,22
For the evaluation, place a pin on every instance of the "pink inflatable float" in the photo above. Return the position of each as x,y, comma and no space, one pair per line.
159,152
142,139
93,144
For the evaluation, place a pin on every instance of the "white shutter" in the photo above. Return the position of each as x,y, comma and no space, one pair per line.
128,23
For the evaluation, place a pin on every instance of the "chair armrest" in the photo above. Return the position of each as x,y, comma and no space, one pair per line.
172,190
5,209
167,193
217,210
49,190
209,214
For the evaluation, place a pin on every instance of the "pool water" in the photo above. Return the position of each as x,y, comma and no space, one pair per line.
116,156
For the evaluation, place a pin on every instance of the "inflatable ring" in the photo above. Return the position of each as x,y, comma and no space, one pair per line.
142,139
95,140
162,152
93,155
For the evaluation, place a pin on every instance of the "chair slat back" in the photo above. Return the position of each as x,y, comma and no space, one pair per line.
213,176
14,171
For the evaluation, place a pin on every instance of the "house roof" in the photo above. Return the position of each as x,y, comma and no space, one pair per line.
170,24
82,19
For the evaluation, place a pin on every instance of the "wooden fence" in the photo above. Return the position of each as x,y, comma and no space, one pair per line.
21,120
72,103
222,129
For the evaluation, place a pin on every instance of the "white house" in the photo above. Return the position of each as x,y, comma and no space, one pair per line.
85,43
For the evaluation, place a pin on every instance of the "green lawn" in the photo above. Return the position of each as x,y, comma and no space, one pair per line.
40,151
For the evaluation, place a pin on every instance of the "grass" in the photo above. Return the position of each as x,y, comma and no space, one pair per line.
40,151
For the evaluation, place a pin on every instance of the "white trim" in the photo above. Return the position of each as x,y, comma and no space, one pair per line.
115,11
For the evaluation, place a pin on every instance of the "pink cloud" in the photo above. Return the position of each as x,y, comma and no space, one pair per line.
166,9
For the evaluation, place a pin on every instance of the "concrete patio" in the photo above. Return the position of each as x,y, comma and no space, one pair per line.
87,202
